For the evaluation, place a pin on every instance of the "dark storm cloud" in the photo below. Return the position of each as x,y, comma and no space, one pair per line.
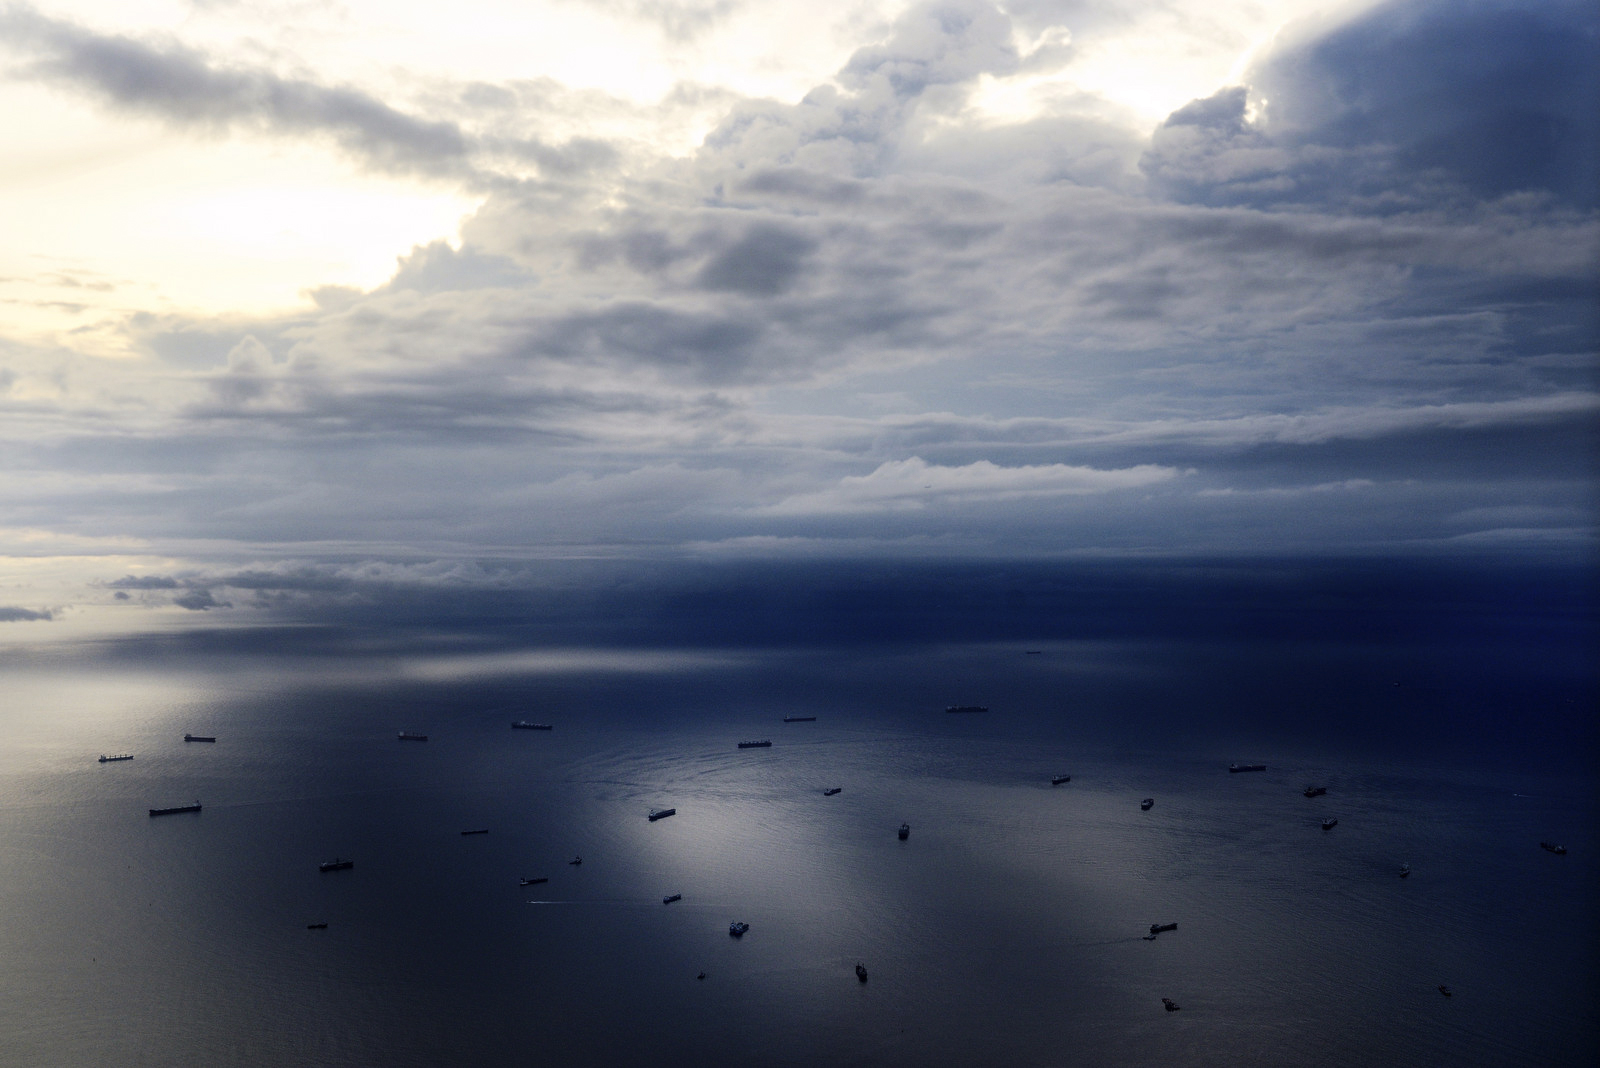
200,600
764,262
183,86
10,614
1410,103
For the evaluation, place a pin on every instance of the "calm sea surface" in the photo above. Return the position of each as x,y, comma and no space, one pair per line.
1006,929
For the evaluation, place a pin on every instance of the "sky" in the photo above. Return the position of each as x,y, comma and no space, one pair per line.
334,310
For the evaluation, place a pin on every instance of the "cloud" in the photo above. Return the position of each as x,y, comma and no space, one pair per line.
913,485
11,614
1408,104
199,600
183,86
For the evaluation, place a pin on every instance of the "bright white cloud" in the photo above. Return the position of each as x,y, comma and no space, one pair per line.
912,485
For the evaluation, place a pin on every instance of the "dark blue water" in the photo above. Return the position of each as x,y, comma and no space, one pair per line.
1006,929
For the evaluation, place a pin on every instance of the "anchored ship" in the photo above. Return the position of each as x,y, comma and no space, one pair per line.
1057,780
533,882
662,813
737,929
1553,848
413,736
1146,803
1329,824
1316,791
799,719
905,831
1247,767
830,791
670,898
861,973
524,725
967,708
755,745
336,865
198,738
104,759
477,830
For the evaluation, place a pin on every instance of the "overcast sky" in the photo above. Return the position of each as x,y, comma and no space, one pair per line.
304,299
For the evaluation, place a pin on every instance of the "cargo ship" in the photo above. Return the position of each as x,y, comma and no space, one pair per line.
967,708
196,808
905,831
524,725
1146,804
670,898
112,758
413,736
1057,780
830,791
476,830
755,745
1157,928
662,813
799,719
1560,850
1329,824
861,972
534,881
1247,767
198,738
336,865
1316,791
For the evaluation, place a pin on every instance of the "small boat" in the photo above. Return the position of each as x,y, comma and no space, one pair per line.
1316,791
198,738
104,759
175,809
755,745
534,881
1247,767
524,725
861,973
1405,870
1560,850
1033,652
336,865
1329,824
1057,780
1444,990
670,898
702,975
413,736
737,929
575,860
905,831
1172,1006
1146,804
830,791
476,830
316,927
966,708
662,813
799,719
1157,928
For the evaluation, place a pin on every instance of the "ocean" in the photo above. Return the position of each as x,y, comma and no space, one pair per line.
1008,928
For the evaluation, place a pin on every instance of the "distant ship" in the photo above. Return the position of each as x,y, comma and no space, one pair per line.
670,898
662,813
1405,870
534,881
737,929
336,865
755,745
1329,824
1316,791
114,757
1146,803
830,791
905,831
413,736
967,708
1247,767
1157,928
1057,780
477,830
524,725
799,719
861,973
196,808
1172,1006
1552,847
198,738
316,927
1444,990
575,860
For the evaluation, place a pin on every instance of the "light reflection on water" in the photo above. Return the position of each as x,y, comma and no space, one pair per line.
1006,929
